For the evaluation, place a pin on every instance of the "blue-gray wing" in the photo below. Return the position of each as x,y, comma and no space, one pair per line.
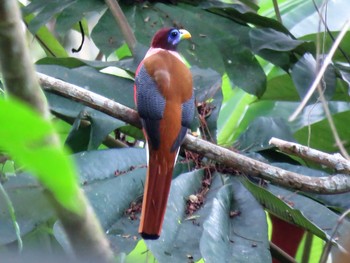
187,115
150,105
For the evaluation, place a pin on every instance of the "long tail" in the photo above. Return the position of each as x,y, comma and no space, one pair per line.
157,187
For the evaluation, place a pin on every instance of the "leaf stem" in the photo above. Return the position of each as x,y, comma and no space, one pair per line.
11,210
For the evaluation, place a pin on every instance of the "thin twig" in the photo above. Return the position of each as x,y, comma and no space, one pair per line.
334,161
277,11
329,243
327,185
320,74
307,247
275,250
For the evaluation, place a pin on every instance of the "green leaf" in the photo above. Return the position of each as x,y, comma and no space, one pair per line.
112,87
321,136
304,73
238,238
75,12
176,229
242,15
242,67
231,114
267,38
30,147
260,131
280,86
45,11
112,179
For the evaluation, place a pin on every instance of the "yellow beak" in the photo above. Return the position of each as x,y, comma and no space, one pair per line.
184,34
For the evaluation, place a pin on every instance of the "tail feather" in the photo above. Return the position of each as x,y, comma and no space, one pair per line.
157,188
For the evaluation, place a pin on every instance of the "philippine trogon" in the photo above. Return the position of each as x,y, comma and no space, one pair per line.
165,103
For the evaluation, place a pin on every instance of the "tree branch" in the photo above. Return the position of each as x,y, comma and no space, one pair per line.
334,161
83,229
326,185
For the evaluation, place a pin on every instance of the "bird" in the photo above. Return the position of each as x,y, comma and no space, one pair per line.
164,100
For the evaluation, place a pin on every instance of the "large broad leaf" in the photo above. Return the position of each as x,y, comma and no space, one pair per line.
75,12
113,180
45,11
176,229
236,228
242,67
112,87
280,86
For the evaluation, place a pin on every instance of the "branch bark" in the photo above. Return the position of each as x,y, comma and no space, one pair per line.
83,229
326,185
334,161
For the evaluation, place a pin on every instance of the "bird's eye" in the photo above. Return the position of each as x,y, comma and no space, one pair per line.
174,33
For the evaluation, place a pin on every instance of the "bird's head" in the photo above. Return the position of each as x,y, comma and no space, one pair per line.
169,38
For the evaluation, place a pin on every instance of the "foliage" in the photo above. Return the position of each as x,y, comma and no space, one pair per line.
250,72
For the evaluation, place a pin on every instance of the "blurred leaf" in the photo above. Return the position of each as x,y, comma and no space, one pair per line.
30,147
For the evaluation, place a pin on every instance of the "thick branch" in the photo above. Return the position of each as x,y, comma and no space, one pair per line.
83,229
334,161
325,185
